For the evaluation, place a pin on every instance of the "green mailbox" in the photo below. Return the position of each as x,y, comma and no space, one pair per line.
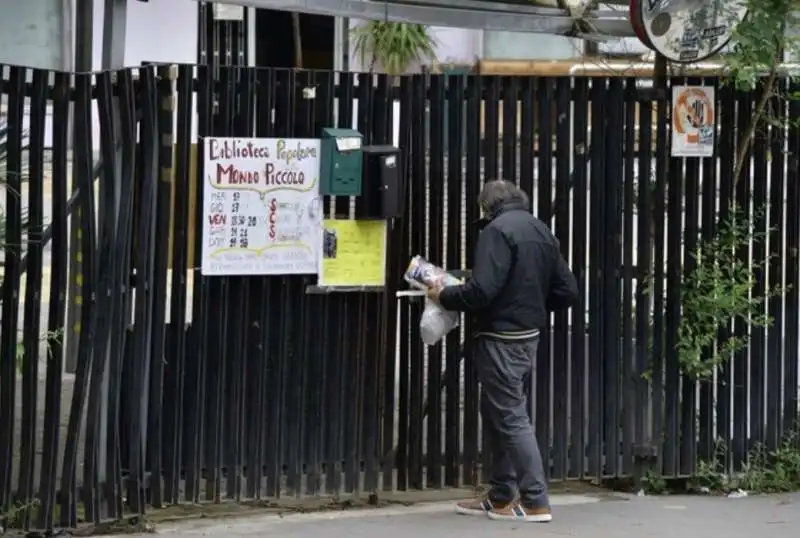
341,162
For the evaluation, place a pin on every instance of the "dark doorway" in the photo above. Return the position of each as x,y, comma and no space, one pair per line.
275,40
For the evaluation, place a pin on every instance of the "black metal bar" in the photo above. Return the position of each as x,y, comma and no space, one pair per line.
491,128
727,122
527,135
402,232
687,453
273,342
165,127
658,274
82,170
672,313
175,372
742,194
541,392
57,303
199,351
140,367
612,231
757,337
419,192
259,440
237,119
777,247
244,339
106,225
120,343
597,96
14,88
644,436
508,140
220,288
455,187
301,127
436,191
395,266
792,256
628,337
471,190
561,337
578,351
31,336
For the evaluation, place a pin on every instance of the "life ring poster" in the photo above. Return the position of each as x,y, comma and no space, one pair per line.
693,127
262,211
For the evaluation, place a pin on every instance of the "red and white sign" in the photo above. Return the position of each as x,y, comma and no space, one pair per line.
693,120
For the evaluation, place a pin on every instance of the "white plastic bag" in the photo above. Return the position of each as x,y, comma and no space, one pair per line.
436,322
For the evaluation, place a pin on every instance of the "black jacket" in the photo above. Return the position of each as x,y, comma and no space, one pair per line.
518,276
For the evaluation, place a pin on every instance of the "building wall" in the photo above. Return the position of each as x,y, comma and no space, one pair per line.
40,33
519,46
32,32
157,31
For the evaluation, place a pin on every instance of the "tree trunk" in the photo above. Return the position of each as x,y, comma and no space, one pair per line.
298,41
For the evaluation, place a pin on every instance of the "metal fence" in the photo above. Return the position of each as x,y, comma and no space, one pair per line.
193,389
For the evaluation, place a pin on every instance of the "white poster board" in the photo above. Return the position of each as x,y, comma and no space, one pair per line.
261,205
693,120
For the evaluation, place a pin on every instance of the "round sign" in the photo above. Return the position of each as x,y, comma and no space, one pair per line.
686,31
635,16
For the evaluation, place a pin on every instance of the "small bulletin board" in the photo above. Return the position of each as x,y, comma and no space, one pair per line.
353,253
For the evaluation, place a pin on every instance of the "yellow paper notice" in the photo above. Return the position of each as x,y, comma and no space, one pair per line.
353,253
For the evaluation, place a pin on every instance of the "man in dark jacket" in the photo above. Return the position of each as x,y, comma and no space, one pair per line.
518,276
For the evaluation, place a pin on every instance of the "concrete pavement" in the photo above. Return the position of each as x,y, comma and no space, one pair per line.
580,516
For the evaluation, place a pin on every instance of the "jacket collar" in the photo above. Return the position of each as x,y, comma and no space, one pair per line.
510,206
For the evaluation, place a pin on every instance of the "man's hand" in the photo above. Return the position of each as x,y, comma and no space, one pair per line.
433,293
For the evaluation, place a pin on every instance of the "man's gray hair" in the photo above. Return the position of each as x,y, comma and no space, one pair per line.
499,192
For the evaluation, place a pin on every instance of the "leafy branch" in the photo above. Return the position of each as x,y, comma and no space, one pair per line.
757,49
721,288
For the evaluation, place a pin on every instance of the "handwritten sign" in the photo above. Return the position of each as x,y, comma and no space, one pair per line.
353,253
261,204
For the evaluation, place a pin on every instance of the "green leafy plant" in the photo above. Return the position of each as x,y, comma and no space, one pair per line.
721,288
764,470
710,476
768,34
654,484
773,470
395,46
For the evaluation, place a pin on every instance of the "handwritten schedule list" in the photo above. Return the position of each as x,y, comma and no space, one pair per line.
261,206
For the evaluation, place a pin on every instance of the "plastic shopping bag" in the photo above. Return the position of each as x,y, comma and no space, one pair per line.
436,322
